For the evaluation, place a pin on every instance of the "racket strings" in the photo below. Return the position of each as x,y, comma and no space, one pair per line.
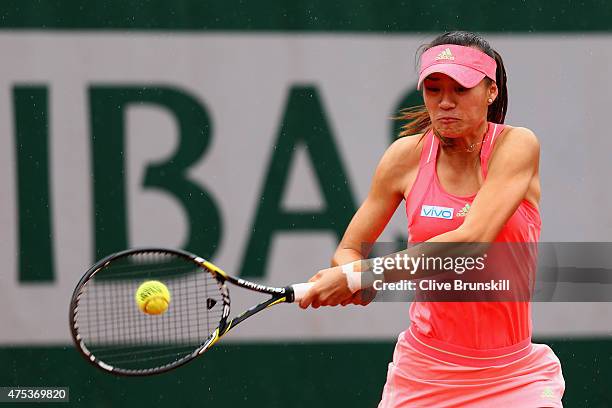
119,334
128,302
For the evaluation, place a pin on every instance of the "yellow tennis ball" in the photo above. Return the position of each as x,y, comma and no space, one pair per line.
153,297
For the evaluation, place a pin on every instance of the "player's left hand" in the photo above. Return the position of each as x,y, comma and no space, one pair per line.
362,297
330,289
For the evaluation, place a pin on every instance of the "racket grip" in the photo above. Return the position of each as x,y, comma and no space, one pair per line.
300,289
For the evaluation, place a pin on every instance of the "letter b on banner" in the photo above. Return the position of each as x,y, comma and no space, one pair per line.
108,106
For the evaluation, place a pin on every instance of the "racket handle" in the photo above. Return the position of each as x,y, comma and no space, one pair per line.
300,289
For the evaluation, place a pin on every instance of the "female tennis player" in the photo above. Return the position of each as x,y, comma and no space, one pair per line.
482,178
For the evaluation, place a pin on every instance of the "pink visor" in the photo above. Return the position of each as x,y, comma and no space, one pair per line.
466,65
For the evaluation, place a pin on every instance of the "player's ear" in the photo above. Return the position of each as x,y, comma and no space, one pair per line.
492,92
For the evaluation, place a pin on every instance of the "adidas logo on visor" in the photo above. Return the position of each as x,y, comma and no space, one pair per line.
445,55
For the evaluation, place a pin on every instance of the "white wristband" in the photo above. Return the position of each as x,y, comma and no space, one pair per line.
353,279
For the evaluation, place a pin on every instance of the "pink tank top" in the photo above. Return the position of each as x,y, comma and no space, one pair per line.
462,326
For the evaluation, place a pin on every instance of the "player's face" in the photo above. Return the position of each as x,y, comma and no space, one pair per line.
456,111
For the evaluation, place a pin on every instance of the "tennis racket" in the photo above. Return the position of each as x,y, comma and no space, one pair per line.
113,334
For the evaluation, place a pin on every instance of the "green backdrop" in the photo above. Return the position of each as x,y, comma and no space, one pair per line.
297,375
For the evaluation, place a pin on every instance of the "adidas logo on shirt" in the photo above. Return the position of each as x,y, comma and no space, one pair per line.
463,212
445,55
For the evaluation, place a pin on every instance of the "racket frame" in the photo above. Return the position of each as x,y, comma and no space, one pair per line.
278,295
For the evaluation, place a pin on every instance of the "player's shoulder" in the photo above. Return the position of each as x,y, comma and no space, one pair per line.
400,160
406,149
517,143
518,135
517,140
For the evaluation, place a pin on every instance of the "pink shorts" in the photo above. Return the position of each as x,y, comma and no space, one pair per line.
418,379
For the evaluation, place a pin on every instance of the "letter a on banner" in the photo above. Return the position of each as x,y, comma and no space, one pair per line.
304,123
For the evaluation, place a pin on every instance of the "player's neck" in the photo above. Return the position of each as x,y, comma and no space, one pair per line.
463,150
